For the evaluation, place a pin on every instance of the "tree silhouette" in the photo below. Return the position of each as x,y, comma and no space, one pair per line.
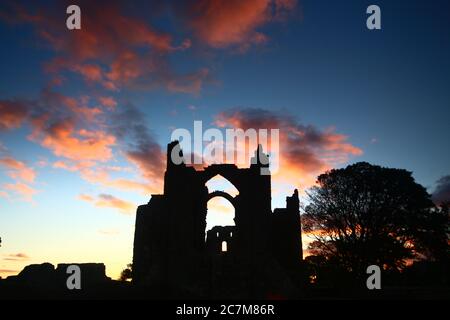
127,273
366,214
434,233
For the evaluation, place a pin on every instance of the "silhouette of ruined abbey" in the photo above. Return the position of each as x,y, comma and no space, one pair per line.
258,257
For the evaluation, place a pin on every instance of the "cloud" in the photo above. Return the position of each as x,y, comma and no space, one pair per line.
109,232
12,114
189,83
86,197
88,152
8,271
42,163
66,126
233,23
18,170
85,144
142,148
75,144
305,151
23,177
23,190
113,48
442,192
109,201
69,127
102,176
81,137
108,102
16,257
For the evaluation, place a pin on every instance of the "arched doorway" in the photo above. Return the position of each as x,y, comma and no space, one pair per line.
221,212
220,203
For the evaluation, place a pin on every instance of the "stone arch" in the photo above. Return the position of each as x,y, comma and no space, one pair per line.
219,182
229,171
221,194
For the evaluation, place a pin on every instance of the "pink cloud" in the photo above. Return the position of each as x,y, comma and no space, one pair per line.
108,102
102,176
18,170
23,190
109,201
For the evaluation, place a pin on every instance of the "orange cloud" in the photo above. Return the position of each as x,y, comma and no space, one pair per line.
86,197
18,170
66,141
304,150
69,127
109,201
76,134
8,271
22,174
225,23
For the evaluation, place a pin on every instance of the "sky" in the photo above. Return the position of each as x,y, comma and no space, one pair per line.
85,115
